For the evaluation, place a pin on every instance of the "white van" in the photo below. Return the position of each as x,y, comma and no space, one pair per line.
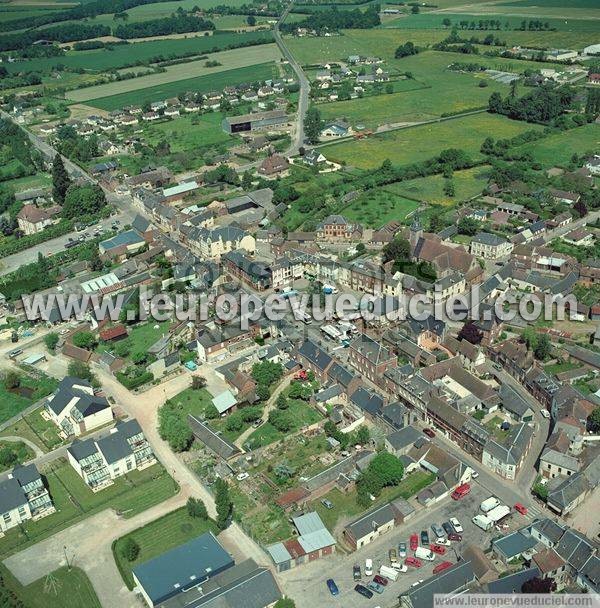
423,553
390,573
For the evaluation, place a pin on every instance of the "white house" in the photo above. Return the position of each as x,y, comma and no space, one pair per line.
23,496
100,461
75,409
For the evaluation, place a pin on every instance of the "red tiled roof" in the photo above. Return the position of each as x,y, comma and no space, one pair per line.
291,496
113,332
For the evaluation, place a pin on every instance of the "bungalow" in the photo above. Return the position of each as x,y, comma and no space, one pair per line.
75,409
217,444
563,196
336,129
124,243
579,238
23,496
371,525
100,461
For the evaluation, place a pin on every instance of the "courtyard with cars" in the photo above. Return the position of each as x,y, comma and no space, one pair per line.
308,583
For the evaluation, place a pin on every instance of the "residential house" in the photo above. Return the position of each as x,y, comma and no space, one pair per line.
490,246
32,219
505,458
370,358
75,409
100,461
273,166
338,228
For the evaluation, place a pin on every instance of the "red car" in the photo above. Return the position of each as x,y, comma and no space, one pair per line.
414,542
454,536
438,549
522,509
429,433
441,567
380,579
413,561
461,491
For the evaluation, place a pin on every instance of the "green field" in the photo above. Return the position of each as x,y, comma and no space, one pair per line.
201,84
140,52
376,208
22,452
228,60
74,501
405,146
168,532
557,149
468,183
29,391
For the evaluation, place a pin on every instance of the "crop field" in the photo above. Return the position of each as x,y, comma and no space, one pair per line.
228,60
537,9
436,91
200,84
129,54
557,149
467,183
405,146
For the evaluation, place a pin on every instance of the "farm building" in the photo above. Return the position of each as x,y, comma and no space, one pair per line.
255,122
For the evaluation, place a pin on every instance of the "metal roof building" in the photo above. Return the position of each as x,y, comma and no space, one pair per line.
181,569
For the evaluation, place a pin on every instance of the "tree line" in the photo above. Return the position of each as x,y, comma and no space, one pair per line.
541,105
176,24
334,20
68,32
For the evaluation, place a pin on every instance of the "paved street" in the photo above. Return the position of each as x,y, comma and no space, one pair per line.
307,583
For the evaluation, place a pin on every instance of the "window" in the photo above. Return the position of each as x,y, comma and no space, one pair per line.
6,517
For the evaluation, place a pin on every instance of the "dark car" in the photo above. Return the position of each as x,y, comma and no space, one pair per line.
424,538
363,591
381,580
454,536
373,586
448,529
333,588
356,573
429,433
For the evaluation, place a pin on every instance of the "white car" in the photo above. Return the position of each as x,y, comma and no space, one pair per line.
474,475
417,583
400,567
545,413
442,541
456,525
368,567
242,476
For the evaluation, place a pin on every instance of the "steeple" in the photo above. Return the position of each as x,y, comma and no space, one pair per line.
416,231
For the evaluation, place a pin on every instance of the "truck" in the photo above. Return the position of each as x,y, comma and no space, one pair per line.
483,522
461,491
489,503
498,513
388,572
423,553
332,332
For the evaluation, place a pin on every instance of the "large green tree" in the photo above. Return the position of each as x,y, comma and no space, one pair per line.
83,200
223,503
313,124
60,180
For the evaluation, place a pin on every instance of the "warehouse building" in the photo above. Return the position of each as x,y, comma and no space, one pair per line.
255,122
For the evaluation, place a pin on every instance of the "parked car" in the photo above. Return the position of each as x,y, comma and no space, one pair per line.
448,529
456,525
356,573
242,476
373,586
441,567
438,531
455,537
15,353
413,561
363,591
327,503
368,567
393,556
545,413
417,583
424,538
414,542
333,588
438,549
381,580
402,550
442,541
257,423
474,475
429,433
519,508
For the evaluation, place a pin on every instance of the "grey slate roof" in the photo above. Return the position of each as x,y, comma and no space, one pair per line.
404,437
114,447
82,449
220,446
364,525
513,582
368,401
26,474
449,581
315,354
11,495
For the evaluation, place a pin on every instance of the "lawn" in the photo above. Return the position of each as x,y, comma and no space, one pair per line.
62,588
142,337
193,401
558,368
228,60
414,144
493,427
558,148
201,84
140,52
345,507
30,390
159,536
74,501
302,415
378,207
467,183
22,451
37,429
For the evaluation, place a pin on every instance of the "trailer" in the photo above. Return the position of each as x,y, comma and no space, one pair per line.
388,572
332,332
483,522
489,503
498,513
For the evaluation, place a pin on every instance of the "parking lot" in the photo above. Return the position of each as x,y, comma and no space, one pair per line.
306,583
